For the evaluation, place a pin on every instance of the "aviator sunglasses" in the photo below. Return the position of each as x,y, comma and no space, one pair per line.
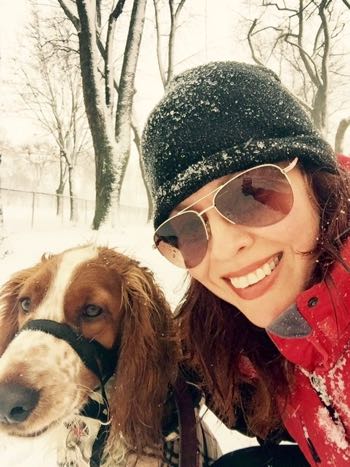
257,197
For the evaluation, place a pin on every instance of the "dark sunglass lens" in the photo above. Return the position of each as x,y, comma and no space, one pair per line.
167,247
258,198
182,240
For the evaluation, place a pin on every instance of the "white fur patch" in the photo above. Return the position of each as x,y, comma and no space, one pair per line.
52,306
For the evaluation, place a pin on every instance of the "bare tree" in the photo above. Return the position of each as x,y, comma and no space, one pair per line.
110,134
302,36
39,156
53,93
166,66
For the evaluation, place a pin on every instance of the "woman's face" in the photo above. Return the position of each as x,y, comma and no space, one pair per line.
234,251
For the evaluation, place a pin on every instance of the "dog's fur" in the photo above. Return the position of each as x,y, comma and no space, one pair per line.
133,312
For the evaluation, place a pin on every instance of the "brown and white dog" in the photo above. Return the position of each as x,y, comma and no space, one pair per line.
85,295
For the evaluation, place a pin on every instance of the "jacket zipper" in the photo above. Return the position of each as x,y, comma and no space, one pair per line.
310,444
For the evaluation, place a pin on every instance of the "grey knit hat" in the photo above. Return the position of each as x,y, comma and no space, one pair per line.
220,118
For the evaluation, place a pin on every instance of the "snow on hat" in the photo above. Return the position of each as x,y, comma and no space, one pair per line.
220,118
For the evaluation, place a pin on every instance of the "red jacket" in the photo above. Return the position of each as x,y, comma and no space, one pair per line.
315,335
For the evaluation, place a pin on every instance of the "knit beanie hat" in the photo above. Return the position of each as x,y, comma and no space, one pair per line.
221,118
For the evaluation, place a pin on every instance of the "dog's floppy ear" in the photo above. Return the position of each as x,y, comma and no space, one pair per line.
8,307
9,300
147,363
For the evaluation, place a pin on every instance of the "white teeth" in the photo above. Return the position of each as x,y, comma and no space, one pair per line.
260,274
243,282
253,277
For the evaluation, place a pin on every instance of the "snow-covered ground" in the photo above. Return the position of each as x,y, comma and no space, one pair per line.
26,247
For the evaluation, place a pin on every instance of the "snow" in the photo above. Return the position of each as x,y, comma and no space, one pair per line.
334,431
26,247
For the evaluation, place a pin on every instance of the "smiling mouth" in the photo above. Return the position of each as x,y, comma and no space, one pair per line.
243,282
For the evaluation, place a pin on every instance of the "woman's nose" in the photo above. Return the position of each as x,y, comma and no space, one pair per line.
226,239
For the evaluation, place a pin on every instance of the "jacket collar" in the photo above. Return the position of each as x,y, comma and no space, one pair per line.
315,329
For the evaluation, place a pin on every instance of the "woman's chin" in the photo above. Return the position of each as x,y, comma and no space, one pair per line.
264,319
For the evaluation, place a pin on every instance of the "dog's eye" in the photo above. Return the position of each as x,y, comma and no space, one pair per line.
92,311
25,304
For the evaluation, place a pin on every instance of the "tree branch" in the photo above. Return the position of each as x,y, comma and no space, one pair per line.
159,50
305,57
70,15
324,67
109,69
250,42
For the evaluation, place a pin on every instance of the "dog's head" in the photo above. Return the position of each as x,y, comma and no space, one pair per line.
107,297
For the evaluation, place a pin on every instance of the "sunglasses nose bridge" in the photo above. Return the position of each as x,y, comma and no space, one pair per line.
205,221
206,210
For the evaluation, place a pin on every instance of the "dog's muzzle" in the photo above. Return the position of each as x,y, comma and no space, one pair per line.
97,358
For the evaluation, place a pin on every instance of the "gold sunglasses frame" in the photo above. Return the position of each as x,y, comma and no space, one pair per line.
215,192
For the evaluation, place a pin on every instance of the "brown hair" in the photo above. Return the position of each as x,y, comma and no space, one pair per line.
215,335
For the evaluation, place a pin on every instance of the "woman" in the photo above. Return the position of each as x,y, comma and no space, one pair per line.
252,202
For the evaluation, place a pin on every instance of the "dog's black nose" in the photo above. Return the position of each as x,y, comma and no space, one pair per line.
16,402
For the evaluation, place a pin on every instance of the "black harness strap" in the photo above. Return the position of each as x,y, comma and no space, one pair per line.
99,445
187,424
96,410
95,357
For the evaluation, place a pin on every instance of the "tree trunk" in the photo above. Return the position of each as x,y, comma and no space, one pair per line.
111,151
137,141
127,91
102,135
73,216
320,110
340,134
61,185
59,199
